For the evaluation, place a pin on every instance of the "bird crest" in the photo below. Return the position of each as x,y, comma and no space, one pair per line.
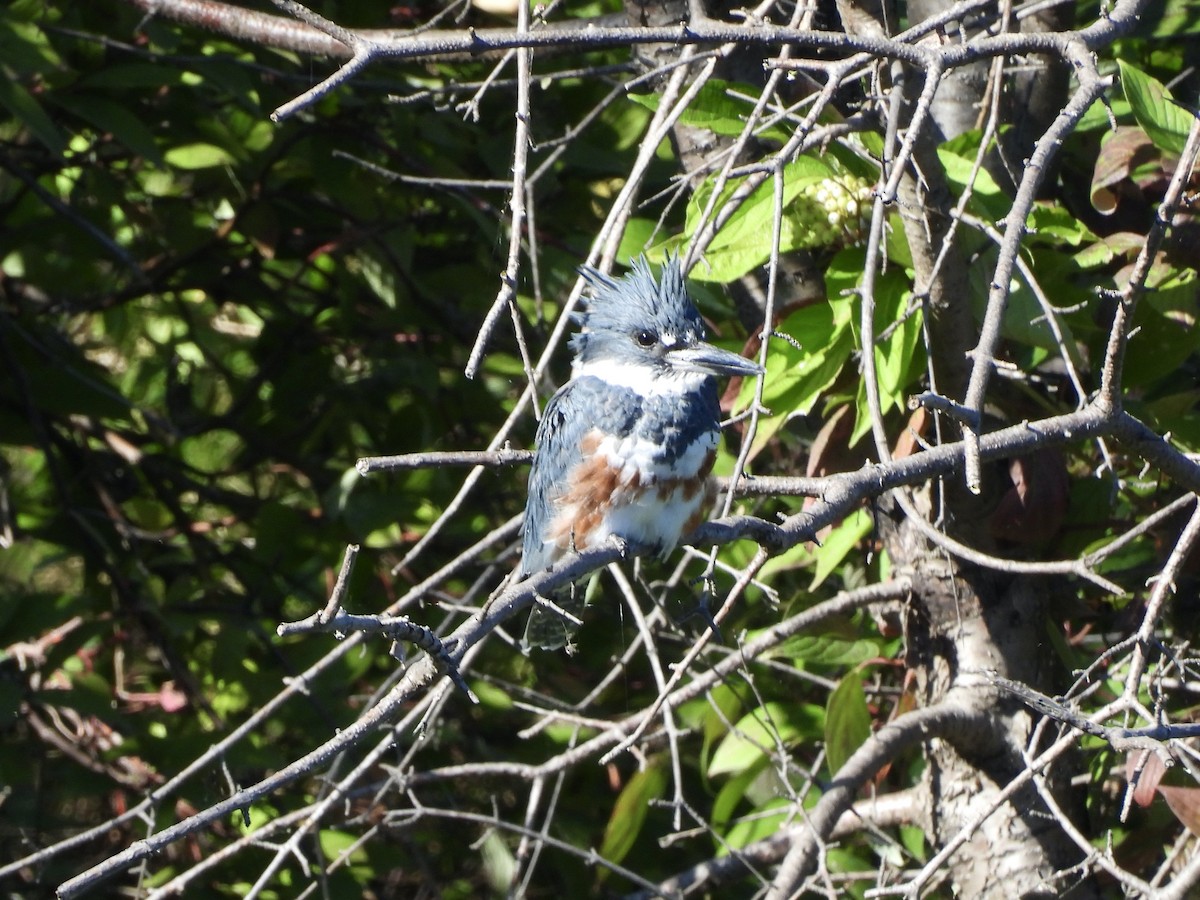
637,302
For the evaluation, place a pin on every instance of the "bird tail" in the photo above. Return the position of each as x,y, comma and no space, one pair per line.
550,630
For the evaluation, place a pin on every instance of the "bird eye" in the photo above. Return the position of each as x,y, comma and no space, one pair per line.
647,338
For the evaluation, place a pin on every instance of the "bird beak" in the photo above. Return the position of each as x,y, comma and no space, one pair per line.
710,360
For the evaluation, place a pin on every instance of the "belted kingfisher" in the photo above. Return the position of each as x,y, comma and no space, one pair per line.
626,446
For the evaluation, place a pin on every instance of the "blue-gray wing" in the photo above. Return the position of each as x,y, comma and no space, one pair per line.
579,407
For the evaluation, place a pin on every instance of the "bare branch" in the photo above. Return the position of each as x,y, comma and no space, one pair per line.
1091,87
506,457
884,745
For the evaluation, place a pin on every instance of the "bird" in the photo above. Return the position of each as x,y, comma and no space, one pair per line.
625,448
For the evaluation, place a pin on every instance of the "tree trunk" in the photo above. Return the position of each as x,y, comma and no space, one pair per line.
965,623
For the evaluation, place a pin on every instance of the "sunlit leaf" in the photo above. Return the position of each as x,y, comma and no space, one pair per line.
714,107
762,824
637,239
336,843
491,696
839,543
896,356
198,156
213,451
958,157
1165,121
798,373
743,242
761,732
828,649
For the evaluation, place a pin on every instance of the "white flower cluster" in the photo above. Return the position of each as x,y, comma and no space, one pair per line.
832,212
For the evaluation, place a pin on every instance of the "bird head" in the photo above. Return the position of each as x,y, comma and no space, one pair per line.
636,327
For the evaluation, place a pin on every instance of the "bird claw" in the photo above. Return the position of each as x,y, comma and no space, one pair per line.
628,548
703,612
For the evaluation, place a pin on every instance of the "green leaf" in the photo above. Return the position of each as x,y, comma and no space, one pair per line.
839,543
731,795
499,863
797,557
828,650
1181,411
1174,19
844,860
25,109
913,838
894,358
714,108
379,274
758,826
214,451
1162,338
629,812
720,706
115,119
1164,121
198,156
25,47
743,243
335,843
757,735
1055,225
491,696
958,158
797,376
639,233
847,720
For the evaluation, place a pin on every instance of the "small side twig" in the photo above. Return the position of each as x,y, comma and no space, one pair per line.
506,457
1091,87
938,403
333,618
341,585
398,628
1120,739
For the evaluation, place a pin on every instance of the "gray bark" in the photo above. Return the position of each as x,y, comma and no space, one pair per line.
964,622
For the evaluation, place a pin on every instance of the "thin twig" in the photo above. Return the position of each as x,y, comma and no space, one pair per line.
1114,354
1091,87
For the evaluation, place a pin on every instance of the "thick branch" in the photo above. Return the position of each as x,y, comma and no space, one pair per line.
402,44
944,720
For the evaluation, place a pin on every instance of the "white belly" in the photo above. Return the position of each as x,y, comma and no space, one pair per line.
625,488
650,523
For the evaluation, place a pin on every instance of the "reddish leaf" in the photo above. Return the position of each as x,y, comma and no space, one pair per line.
1147,779
1185,803
1033,510
831,452
908,442
1125,149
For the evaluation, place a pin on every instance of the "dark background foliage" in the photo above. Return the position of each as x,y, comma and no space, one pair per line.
206,318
